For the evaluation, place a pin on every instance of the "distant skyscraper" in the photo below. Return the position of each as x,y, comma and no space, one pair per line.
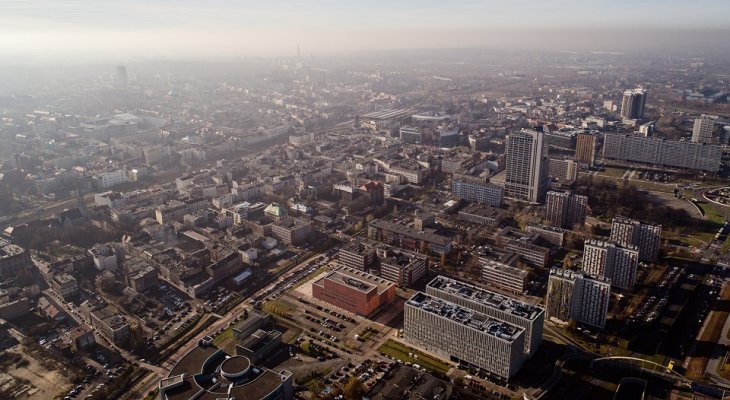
121,77
527,166
632,106
702,130
647,238
564,209
611,260
585,148
573,295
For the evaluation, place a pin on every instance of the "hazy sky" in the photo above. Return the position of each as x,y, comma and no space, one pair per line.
132,28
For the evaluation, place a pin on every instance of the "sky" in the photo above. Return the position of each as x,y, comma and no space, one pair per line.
170,28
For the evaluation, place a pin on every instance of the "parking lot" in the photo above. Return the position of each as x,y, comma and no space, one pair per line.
654,305
173,308
317,320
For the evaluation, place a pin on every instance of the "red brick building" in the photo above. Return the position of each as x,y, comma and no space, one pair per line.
354,291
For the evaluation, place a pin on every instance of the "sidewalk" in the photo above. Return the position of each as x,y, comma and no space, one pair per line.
718,353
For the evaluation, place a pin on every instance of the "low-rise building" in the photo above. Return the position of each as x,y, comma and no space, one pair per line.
208,372
259,345
105,257
256,320
12,307
354,291
504,276
358,256
527,245
482,214
143,279
82,337
13,259
551,234
111,324
249,255
293,231
408,238
402,267
65,285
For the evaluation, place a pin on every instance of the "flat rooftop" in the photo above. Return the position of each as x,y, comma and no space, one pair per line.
410,232
483,210
606,244
473,319
111,317
515,234
505,269
358,280
400,259
570,274
357,247
9,250
485,297
535,225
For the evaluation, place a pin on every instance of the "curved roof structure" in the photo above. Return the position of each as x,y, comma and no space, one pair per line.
208,373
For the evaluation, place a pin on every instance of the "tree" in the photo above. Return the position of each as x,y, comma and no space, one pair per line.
353,389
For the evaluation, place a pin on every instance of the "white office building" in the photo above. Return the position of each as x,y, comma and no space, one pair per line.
464,335
495,305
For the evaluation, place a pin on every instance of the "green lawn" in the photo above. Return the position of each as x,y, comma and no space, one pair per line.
725,246
697,239
614,172
225,335
279,307
399,351
711,212
366,334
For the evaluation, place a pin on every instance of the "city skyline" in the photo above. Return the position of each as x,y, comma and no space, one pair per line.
323,200
223,28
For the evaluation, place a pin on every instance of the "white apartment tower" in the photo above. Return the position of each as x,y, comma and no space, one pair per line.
702,129
575,296
646,237
527,166
611,260
632,106
564,209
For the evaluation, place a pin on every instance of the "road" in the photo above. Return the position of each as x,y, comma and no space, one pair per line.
147,385
719,353
77,316
679,204
127,356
